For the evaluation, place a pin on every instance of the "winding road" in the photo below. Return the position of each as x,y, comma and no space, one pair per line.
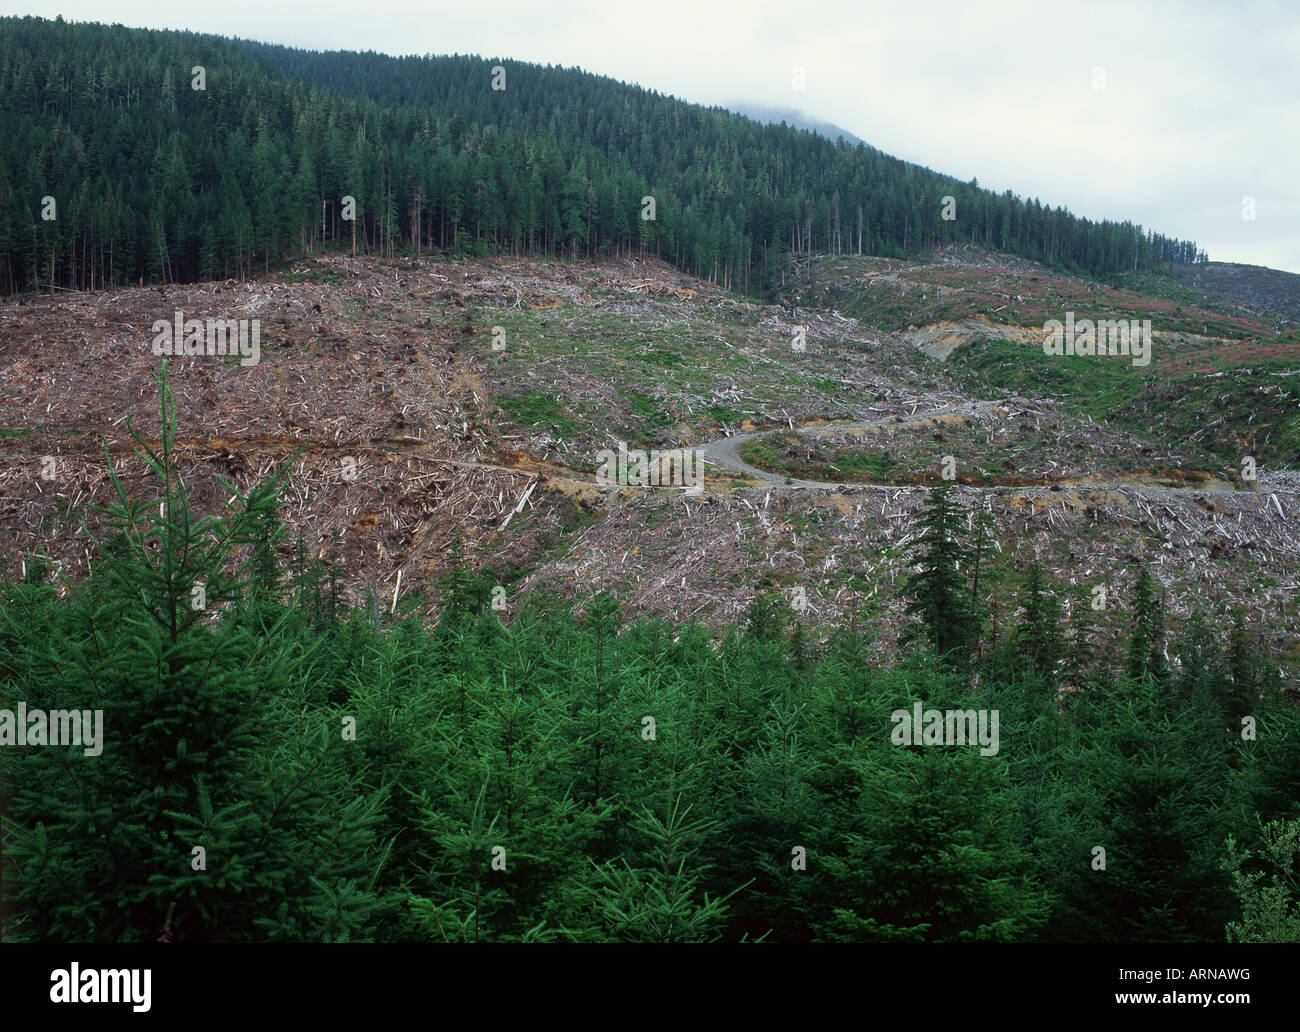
725,453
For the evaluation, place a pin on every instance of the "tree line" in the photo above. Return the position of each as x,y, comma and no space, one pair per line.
153,179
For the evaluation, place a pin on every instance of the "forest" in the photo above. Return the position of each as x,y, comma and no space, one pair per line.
132,155
277,766
280,755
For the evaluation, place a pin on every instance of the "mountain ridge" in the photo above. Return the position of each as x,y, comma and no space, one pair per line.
191,180
775,114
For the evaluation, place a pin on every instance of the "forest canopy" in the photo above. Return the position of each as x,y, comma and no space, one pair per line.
152,177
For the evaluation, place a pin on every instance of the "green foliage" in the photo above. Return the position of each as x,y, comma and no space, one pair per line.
1147,643
1038,637
174,183
661,901
1270,897
938,590
216,801
580,777
765,617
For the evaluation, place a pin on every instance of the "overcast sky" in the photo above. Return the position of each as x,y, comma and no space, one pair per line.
1198,105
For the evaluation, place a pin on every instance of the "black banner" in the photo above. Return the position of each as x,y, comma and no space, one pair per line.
335,982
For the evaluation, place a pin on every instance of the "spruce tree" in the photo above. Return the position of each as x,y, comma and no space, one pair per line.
214,808
937,590
1147,642
1080,653
1038,635
1269,897
660,898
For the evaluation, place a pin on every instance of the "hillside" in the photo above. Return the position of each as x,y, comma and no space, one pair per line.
287,152
1265,289
453,499
1221,379
391,365
799,120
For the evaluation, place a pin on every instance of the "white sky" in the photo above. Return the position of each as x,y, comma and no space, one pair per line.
1199,107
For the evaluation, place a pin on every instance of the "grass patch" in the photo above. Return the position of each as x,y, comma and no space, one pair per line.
647,408
312,276
724,414
794,455
540,410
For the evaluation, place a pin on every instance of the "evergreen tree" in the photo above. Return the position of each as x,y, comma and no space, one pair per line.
1269,897
1038,636
191,816
1079,651
937,589
1147,641
662,900
428,158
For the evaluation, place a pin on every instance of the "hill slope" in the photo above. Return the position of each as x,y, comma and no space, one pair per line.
1254,285
417,431
797,119
285,152
1222,377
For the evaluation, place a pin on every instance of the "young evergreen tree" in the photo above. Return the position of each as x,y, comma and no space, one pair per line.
1163,798
203,812
981,546
1080,650
1243,680
1269,893
1038,635
937,589
765,617
661,899
1147,643
921,852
